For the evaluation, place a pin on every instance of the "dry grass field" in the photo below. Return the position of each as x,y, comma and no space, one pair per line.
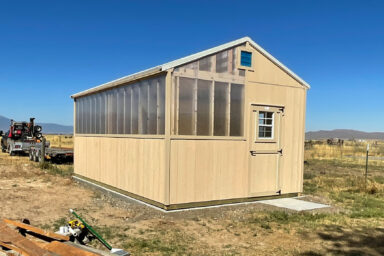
60,141
354,225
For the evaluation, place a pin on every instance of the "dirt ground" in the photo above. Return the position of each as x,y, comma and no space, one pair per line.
251,229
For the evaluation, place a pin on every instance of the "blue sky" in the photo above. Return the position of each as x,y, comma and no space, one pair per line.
52,49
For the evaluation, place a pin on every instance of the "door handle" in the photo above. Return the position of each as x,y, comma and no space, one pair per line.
254,153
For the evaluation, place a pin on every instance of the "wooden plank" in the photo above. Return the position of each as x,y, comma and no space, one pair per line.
11,247
37,230
165,182
12,238
67,250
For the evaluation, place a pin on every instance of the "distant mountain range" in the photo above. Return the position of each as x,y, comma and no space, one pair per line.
344,134
47,127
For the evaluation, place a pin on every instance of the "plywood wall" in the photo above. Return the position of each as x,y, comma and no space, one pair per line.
204,170
131,164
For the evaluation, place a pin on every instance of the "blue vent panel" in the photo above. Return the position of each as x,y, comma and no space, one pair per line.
246,59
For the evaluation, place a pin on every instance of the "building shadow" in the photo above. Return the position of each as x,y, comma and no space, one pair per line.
362,241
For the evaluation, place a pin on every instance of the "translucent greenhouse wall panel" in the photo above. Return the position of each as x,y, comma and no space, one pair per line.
203,106
161,106
127,110
137,108
208,96
237,99
186,108
143,108
220,107
120,111
152,108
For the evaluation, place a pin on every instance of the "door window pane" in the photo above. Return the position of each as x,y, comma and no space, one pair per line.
265,125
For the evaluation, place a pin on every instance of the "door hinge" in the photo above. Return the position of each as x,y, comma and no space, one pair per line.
280,151
279,192
253,153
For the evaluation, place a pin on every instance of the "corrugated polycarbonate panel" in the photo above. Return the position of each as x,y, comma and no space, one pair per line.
222,62
205,64
103,115
77,116
186,109
120,110
93,114
114,111
220,108
237,102
152,106
143,108
161,106
127,110
203,106
87,115
135,109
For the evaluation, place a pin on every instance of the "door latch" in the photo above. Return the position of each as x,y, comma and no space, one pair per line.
253,153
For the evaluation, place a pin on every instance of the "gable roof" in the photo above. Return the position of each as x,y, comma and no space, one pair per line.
187,59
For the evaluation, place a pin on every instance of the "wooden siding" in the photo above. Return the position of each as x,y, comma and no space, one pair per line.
203,170
292,133
130,164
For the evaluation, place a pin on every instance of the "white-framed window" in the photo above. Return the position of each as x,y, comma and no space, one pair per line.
265,125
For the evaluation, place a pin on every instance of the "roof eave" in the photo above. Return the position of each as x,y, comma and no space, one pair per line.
119,81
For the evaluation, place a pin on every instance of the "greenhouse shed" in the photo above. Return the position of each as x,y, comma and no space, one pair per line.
220,126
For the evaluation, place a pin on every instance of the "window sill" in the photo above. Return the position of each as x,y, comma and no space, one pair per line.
194,137
134,136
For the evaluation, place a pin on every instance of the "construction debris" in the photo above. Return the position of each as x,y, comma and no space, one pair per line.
26,240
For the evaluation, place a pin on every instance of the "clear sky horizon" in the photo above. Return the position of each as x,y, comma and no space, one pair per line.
52,49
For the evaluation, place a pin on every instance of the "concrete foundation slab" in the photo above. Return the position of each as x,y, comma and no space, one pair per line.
294,204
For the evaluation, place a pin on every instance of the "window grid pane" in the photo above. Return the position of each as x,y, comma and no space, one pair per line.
265,125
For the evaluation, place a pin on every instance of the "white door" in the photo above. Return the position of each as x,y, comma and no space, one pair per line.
265,150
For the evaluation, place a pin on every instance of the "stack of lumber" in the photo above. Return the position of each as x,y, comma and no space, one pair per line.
26,240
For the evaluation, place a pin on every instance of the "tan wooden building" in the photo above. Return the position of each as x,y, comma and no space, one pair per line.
222,125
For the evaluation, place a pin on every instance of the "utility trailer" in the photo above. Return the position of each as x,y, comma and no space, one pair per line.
21,136
26,137
18,146
55,155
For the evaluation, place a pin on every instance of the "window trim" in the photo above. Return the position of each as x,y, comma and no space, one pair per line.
238,58
277,109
